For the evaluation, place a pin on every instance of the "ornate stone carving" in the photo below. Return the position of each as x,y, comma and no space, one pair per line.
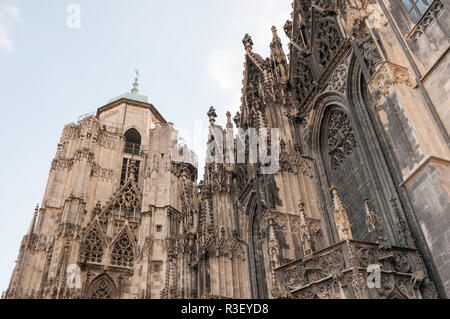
373,223
384,80
291,161
337,82
340,138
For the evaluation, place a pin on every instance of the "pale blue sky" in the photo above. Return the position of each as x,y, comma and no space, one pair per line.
190,57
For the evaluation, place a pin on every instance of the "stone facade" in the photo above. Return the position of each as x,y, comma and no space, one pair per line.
362,107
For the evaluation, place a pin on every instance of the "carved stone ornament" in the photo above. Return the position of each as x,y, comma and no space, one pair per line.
386,77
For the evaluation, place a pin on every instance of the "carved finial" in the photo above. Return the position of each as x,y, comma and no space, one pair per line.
248,42
275,37
212,115
374,224
274,31
229,122
341,217
132,170
237,119
301,207
135,89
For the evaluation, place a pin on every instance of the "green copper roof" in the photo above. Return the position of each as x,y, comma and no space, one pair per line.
134,95
130,96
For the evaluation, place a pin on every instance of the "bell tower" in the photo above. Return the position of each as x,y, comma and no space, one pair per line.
111,208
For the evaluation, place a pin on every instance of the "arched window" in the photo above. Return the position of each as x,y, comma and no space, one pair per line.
132,142
345,168
102,288
92,250
123,252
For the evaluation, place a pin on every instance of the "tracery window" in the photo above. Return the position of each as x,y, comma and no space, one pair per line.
123,252
126,168
93,247
416,8
102,289
346,169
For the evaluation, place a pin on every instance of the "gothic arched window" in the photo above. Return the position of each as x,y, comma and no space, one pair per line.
102,289
93,247
123,252
132,142
347,170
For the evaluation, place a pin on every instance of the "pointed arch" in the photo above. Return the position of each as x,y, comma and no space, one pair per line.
102,287
123,249
255,246
93,245
133,141
338,143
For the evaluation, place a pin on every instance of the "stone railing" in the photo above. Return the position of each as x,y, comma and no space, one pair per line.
341,272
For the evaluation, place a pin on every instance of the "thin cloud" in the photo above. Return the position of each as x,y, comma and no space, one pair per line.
5,41
258,17
221,68
9,15
11,11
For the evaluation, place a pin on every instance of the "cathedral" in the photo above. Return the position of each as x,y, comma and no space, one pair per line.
361,108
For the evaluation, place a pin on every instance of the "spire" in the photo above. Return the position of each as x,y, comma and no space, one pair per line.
135,89
341,217
277,54
33,222
276,41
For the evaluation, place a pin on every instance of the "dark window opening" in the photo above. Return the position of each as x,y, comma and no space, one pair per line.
132,142
416,8
126,166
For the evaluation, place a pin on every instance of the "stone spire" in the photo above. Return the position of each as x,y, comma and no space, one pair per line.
135,89
341,217
33,221
277,54
276,41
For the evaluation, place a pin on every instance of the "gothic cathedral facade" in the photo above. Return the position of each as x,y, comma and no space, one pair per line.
362,106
